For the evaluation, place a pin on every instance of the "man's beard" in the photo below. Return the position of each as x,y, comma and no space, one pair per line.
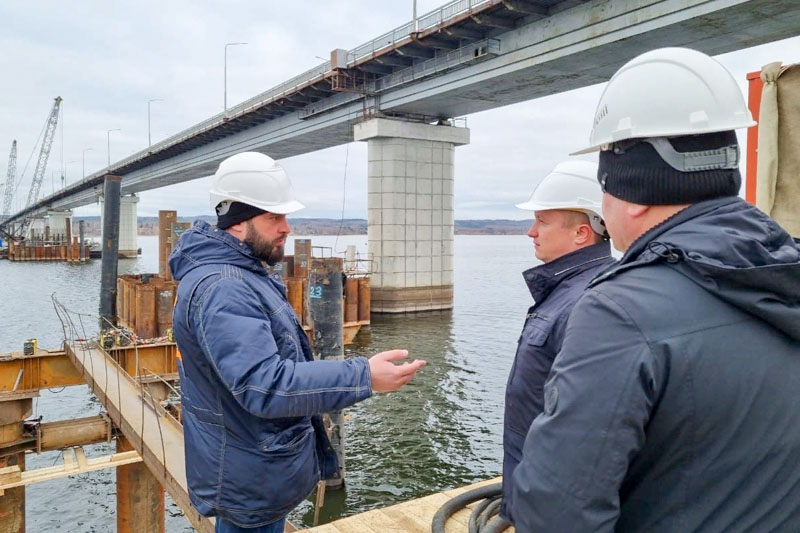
263,249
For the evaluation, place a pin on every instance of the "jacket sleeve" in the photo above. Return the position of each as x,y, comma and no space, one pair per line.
236,336
598,400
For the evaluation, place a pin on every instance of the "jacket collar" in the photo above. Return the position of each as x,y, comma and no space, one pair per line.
646,249
542,279
207,244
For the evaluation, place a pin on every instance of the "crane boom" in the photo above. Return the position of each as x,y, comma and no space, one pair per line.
44,154
11,178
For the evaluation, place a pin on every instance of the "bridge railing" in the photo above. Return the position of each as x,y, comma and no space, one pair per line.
429,20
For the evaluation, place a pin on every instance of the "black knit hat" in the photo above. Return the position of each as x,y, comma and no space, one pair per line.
634,171
236,212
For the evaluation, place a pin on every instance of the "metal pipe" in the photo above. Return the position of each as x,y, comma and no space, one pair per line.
108,271
325,305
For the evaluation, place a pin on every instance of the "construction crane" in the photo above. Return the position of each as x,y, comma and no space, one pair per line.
41,164
11,178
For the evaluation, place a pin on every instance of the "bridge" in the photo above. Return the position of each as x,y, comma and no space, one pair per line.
401,91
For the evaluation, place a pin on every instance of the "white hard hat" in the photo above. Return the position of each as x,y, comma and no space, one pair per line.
253,179
668,92
572,186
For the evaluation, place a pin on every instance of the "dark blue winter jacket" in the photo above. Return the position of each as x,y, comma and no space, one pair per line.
673,403
555,287
250,391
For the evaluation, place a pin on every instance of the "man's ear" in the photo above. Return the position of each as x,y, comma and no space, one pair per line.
238,230
583,234
636,210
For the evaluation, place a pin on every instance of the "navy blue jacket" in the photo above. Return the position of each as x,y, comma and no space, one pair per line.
673,403
555,287
249,388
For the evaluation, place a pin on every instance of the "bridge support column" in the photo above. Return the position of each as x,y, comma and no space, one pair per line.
59,222
410,213
128,225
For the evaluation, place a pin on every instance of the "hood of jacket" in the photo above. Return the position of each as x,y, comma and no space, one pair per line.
204,244
731,249
543,279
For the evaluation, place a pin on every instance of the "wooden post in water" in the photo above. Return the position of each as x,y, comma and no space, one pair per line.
325,305
110,261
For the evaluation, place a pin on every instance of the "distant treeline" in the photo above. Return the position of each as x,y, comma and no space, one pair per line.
328,226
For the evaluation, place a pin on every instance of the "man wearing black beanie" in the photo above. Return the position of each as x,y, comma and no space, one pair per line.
251,392
672,403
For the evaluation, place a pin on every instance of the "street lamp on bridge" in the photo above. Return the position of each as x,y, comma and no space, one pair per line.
64,173
225,91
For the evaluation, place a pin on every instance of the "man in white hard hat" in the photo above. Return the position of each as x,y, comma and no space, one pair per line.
569,237
251,392
672,405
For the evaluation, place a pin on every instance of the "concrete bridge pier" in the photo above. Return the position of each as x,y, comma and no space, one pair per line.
128,225
410,213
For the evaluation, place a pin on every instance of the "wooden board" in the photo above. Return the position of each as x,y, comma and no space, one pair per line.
413,516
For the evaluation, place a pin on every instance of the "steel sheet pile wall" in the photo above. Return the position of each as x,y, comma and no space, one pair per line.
294,271
56,249
144,304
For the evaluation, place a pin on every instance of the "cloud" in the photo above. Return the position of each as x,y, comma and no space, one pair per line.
107,59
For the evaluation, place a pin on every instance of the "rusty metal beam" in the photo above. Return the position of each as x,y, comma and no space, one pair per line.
12,501
25,375
48,436
155,435
140,496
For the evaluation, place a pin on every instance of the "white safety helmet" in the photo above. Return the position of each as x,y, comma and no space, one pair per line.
571,186
254,179
668,92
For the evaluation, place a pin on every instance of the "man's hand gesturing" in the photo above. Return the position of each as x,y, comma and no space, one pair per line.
387,376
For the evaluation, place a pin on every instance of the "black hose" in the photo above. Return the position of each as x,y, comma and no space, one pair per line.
480,521
495,525
473,526
492,509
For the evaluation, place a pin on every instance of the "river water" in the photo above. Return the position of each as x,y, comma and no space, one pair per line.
441,431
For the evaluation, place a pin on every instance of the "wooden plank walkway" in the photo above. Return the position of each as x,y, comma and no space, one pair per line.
413,516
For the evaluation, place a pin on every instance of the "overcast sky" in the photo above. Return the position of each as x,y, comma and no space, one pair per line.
107,59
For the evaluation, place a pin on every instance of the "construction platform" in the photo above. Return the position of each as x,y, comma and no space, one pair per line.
413,516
